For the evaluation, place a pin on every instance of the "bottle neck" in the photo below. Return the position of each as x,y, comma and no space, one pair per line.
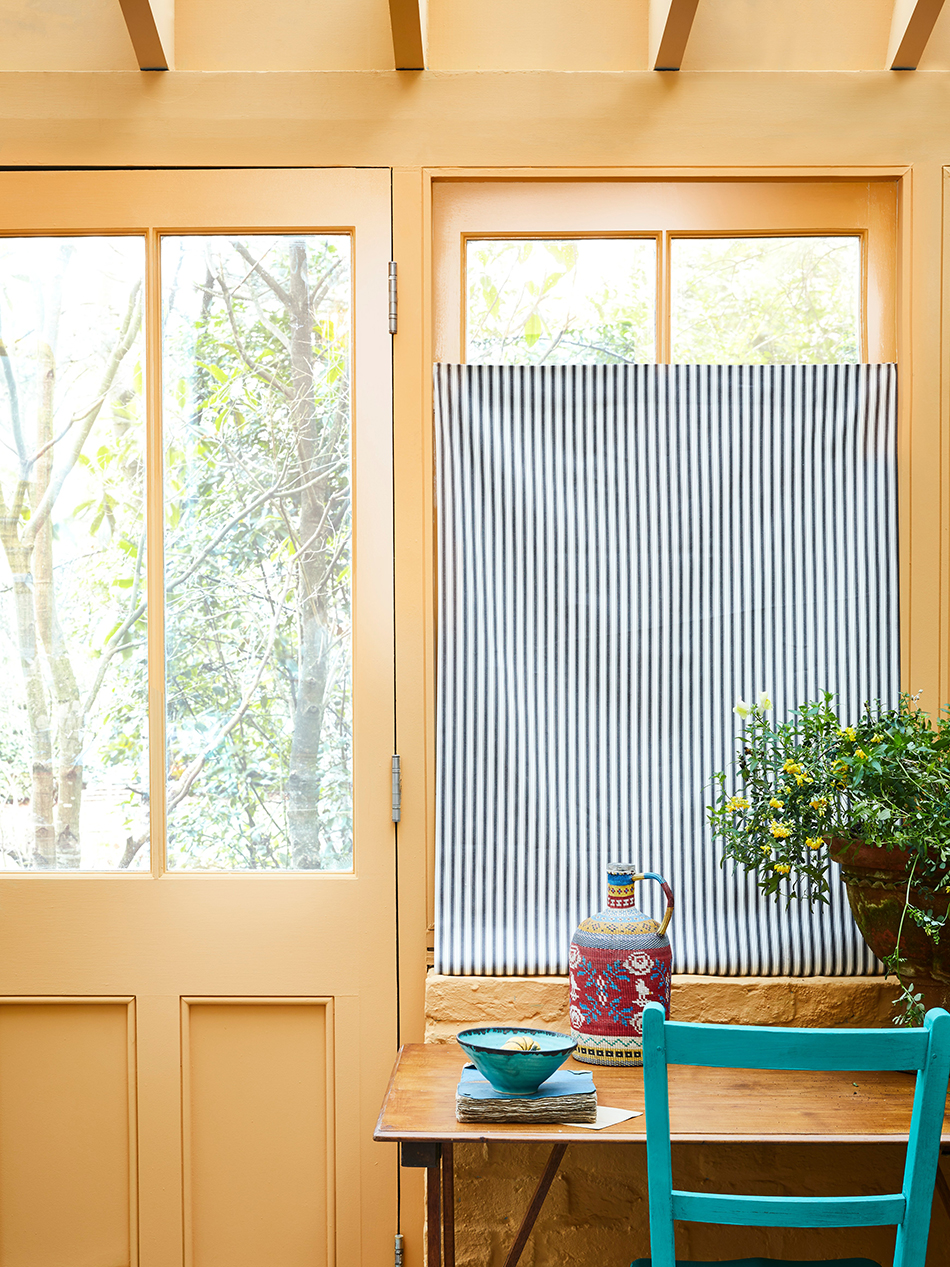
620,893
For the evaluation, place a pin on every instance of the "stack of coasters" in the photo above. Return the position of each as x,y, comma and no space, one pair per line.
565,1097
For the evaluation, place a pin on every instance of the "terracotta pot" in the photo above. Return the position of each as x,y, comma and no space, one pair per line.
876,882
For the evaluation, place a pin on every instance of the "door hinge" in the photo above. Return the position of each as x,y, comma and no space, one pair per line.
393,297
397,788
398,1256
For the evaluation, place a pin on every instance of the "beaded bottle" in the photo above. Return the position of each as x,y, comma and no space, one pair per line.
620,960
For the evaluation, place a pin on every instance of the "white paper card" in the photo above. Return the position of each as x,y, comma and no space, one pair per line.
606,1117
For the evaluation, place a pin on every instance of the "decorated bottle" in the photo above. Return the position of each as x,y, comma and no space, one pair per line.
620,960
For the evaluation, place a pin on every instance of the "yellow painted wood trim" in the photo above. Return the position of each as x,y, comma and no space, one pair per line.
151,25
408,21
911,27
155,553
670,24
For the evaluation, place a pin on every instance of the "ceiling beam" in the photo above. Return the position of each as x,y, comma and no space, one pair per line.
670,23
408,21
151,26
911,26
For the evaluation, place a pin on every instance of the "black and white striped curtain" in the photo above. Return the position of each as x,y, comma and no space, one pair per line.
624,551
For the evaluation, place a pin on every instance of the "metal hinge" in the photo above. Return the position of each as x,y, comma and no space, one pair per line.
393,297
397,789
398,1257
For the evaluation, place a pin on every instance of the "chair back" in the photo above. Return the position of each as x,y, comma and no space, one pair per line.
925,1050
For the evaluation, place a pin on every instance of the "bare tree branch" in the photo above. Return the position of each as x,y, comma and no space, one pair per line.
258,370
194,769
256,267
117,639
130,328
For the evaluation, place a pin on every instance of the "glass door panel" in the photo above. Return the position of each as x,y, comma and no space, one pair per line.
256,371
74,790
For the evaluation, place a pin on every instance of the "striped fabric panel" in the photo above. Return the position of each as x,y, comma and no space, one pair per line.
624,551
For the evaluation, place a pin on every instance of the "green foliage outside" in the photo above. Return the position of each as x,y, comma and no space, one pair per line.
765,301
746,301
257,497
545,302
256,377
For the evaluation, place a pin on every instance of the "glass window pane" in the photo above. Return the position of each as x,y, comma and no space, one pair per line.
73,723
256,365
764,301
538,301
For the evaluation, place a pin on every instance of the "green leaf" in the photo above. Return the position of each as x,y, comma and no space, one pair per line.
533,329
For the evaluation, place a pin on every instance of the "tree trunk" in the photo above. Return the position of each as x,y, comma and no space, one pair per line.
64,690
303,782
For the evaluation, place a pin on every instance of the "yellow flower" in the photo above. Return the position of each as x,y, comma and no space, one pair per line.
766,849
783,867
736,803
814,842
779,830
859,752
791,767
819,803
803,778
849,732
776,803
877,739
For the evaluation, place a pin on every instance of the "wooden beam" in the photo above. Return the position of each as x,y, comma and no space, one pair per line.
670,24
151,26
911,26
408,21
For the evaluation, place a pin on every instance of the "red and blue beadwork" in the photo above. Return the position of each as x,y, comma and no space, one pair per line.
620,960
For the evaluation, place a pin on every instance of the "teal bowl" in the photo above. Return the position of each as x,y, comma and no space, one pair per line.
515,1072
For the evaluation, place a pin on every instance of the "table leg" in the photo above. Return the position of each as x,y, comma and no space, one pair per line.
433,1216
943,1188
448,1207
534,1207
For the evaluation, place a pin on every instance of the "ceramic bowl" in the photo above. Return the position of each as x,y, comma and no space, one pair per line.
516,1072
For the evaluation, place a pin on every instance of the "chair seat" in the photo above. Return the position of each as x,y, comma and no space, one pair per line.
767,1262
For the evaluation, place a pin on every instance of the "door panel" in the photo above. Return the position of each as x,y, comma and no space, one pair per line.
67,1131
257,1079
263,1013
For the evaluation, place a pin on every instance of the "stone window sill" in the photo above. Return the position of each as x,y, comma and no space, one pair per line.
453,1003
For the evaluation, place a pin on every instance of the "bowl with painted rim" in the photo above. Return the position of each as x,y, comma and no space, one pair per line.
513,1058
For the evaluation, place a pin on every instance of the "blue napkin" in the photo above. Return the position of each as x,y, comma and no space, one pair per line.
562,1082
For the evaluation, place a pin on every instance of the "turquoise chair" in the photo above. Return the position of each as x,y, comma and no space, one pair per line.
758,1047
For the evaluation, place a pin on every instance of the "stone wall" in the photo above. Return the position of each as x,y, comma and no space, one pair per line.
596,1212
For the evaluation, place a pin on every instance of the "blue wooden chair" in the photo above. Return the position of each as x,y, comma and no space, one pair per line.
758,1047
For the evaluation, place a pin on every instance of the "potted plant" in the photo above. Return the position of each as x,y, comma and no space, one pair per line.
874,796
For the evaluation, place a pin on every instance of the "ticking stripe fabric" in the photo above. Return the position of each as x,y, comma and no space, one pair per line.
624,551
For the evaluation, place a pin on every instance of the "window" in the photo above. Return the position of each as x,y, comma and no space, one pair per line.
730,300
255,369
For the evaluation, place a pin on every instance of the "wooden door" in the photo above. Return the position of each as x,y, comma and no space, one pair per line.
198,1016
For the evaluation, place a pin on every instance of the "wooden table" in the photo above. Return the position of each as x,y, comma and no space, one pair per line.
718,1106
